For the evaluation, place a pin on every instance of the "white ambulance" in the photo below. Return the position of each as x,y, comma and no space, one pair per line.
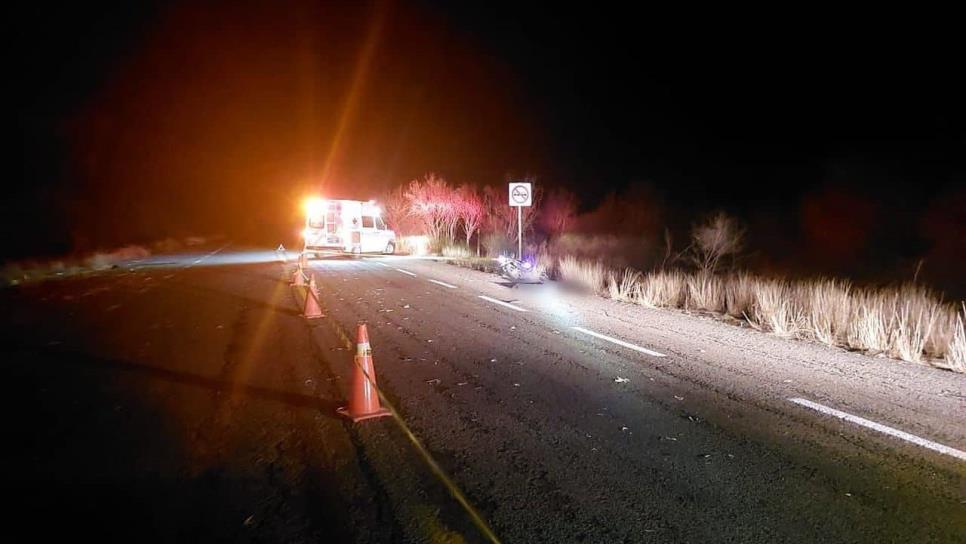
351,226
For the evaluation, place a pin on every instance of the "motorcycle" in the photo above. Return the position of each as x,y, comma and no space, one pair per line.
518,271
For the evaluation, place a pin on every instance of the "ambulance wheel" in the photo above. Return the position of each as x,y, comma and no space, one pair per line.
390,248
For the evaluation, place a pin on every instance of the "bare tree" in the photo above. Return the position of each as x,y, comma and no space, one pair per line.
717,237
397,212
432,203
471,212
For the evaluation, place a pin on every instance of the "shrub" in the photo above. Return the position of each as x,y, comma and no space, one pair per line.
720,236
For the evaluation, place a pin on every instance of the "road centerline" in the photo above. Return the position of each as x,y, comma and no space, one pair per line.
405,272
444,284
902,435
618,342
501,303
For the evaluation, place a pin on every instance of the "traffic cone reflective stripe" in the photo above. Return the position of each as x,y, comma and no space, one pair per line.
312,309
364,398
362,341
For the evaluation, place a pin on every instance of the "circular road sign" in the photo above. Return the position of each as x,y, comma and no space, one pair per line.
520,194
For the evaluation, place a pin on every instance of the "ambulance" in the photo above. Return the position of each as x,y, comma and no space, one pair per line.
349,226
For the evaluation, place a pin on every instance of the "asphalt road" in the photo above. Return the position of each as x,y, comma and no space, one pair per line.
185,398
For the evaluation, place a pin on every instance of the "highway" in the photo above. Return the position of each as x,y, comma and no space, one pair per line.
185,398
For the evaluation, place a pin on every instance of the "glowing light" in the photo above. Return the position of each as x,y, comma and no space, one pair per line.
313,206
376,211
417,245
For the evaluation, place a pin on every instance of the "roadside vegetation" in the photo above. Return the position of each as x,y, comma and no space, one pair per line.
908,322
23,271
469,226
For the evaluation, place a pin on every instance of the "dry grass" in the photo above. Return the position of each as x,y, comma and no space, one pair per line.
457,251
705,292
909,322
15,273
913,327
739,295
776,308
956,350
826,309
587,274
662,289
870,322
625,287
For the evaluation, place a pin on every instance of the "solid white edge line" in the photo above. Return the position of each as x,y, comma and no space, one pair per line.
406,272
618,342
501,303
444,284
935,446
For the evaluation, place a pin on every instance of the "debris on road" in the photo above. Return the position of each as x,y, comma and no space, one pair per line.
621,380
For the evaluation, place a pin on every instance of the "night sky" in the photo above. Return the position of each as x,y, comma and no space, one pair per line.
829,133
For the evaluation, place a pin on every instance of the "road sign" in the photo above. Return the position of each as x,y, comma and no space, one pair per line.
520,194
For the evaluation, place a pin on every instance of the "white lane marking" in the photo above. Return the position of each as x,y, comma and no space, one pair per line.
618,342
382,264
208,255
501,303
444,284
935,446
405,272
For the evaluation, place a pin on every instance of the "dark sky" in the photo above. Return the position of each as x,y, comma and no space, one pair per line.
138,122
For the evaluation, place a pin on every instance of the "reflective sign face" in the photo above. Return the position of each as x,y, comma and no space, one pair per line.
520,194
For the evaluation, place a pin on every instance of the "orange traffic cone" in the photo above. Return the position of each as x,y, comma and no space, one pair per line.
312,309
364,400
298,279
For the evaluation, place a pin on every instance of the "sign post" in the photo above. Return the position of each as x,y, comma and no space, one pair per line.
521,194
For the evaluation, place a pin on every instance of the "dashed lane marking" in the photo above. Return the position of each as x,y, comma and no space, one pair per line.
901,435
444,284
618,342
501,303
405,272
